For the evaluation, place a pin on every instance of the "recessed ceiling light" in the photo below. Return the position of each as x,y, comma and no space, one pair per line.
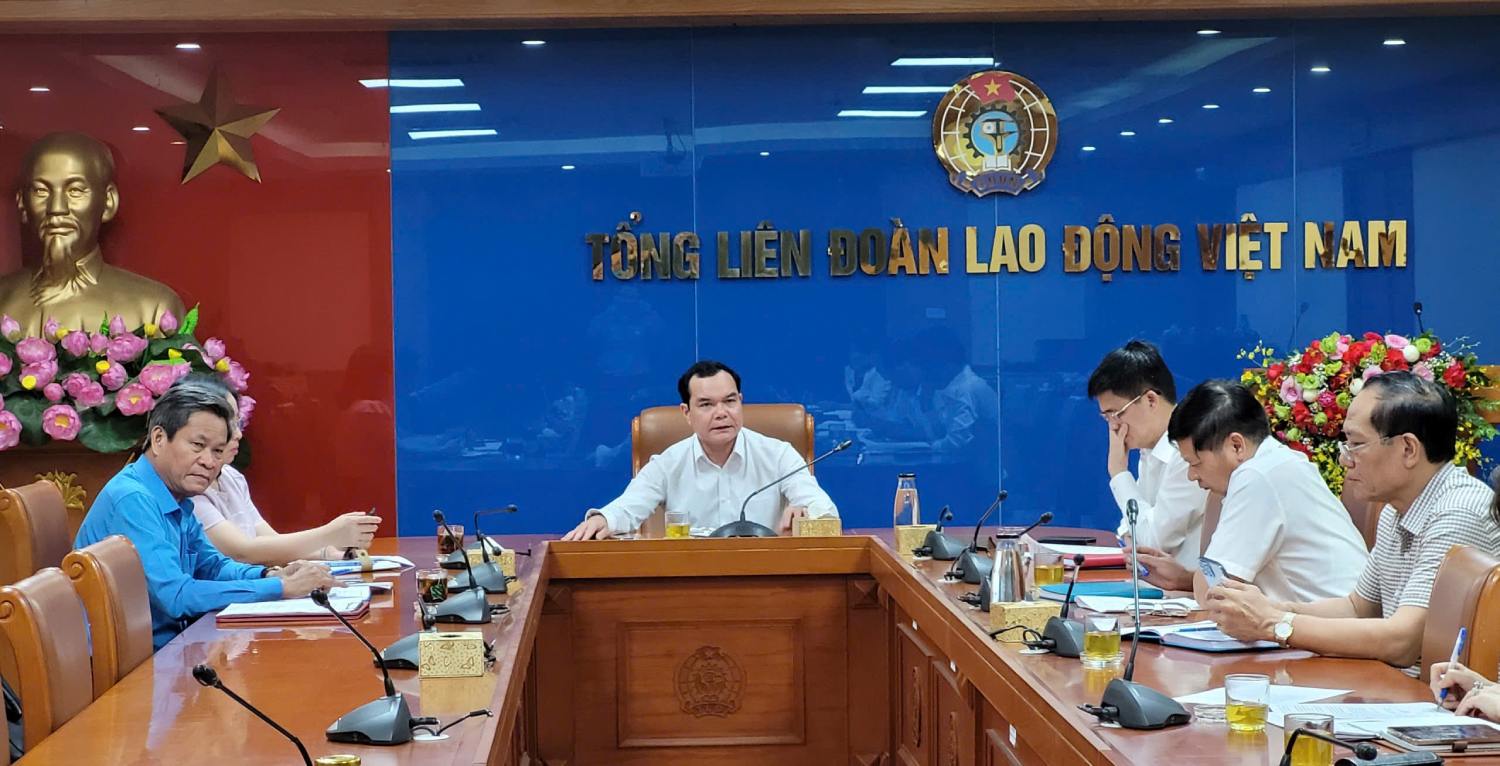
141,129
1261,89
1393,41
945,61
1208,32
188,46
425,108
1210,106
569,167
878,90
1090,148
1164,121
1321,69
450,82
40,89
178,142
882,113
533,43
765,154
465,133
1127,133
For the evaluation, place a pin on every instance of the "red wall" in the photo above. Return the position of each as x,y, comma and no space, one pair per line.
293,273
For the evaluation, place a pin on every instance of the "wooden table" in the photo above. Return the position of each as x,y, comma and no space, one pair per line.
787,651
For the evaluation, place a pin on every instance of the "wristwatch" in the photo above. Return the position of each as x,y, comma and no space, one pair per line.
1283,629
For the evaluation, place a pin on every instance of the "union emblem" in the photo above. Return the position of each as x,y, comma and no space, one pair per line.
994,131
710,683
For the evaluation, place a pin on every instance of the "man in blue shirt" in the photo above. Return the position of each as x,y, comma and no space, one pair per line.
148,502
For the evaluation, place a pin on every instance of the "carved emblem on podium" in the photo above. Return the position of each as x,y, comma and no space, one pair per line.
73,494
710,683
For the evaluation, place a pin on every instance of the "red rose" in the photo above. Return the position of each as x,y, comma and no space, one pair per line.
1374,337
1455,376
1314,356
1437,346
1300,447
1274,371
1356,351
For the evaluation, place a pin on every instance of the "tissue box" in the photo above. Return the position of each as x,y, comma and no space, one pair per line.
909,536
505,556
1032,614
829,526
450,655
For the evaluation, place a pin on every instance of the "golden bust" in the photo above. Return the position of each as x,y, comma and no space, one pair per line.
66,196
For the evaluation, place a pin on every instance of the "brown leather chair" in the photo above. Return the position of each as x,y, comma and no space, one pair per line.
1465,594
658,428
33,530
110,578
1366,517
42,619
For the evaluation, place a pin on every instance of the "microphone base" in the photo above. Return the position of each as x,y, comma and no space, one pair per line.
469,608
402,654
1134,706
975,567
385,721
1066,636
944,547
489,575
454,560
743,528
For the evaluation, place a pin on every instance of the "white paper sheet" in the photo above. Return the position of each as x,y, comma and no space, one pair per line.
1118,604
1173,628
1371,719
1282,696
295,607
1087,550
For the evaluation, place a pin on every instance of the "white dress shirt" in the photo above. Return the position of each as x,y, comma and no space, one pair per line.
685,479
1284,532
1170,504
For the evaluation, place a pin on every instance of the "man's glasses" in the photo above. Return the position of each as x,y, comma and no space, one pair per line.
1350,452
1115,414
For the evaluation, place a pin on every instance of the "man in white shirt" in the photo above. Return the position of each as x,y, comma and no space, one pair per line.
1136,396
1280,530
1399,444
709,474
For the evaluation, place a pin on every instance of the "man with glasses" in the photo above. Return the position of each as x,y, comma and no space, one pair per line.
1136,395
1399,444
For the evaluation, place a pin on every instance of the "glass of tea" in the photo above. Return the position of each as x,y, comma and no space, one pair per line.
432,585
1246,697
1048,567
449,543
1101,641
679,526
1309,751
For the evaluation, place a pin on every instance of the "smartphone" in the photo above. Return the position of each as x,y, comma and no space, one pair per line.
1429,736
1213,571
1068,539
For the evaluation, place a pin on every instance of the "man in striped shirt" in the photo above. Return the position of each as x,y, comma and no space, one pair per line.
1399,437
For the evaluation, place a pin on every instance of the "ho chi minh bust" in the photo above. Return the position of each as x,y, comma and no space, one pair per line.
67,193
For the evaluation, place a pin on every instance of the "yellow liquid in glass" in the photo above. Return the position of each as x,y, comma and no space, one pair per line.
679,531
1312,752
1049,574
1246,716
1101,648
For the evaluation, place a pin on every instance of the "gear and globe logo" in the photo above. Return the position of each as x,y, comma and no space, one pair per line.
993,132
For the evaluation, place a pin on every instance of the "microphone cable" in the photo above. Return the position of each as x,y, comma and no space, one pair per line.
424,725
1031,638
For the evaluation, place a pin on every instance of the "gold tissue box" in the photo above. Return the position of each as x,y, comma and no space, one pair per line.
505,556
827,526
1032,614
450,655
909,536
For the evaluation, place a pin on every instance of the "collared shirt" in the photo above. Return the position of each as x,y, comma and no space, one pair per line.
185,575
1284,532
1170,504
685,479
1453,509
228,499
962,409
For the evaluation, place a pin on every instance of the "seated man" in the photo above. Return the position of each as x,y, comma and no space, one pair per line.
147,502
234,525
710,473
1136,396
1399,437
1280,528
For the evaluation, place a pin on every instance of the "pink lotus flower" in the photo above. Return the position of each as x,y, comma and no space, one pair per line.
92,395
1396,342
1423,371
10,328
50,328
74,382
125,348
180,371
114,377
213,350
10,430
1291,393
76,343
134,399
236,377
33,350
159,377
44,372
98,342
117,325
5,365
61,422
54,392
168,323
246,408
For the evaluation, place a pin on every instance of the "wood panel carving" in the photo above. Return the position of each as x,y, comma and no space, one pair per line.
710,682
916,701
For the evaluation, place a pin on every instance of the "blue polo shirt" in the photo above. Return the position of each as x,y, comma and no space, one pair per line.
186,575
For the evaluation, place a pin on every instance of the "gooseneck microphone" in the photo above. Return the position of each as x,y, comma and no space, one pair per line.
1364,751
939,546
1064,637
986,587
385,721
1416,308
489,575
746,528
207,676
469,606
1125,702
970,559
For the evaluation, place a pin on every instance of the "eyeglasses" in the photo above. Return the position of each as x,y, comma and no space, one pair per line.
1115,414
1348,451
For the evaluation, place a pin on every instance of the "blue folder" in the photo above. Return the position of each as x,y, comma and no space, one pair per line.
1119,588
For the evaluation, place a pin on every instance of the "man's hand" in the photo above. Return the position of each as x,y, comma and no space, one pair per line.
1457,679
1165,572
1242,611
595,527
791,512
353,530
1119,456
299,578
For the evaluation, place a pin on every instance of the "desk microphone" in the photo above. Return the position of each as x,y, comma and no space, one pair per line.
1416,308
970,559
489,576
1125,702
939,546
1364,752
470,606
745,528
385,721
208,677
1064,637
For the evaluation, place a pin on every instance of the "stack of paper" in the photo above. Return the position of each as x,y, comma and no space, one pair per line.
352,603
379,564
1094,556
1370,720
1117,604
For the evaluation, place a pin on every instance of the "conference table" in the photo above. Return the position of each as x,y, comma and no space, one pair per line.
831,650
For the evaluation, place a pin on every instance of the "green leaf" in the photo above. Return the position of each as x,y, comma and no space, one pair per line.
157,349
107,407
28,409
115,433
189,322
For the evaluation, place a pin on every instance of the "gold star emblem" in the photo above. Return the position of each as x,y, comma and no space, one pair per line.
992,88
217,130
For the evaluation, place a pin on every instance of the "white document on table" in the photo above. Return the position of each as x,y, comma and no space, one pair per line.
1087,550
1368,720
1162,630
1280,696
297,607
1121,604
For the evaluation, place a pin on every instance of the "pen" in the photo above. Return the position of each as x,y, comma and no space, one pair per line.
1458,647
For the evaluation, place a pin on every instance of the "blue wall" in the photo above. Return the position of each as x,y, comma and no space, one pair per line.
517,374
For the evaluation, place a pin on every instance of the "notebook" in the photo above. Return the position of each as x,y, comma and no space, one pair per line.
1202,636
1115,588
296,611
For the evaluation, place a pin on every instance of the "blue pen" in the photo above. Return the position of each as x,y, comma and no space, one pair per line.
1458,648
